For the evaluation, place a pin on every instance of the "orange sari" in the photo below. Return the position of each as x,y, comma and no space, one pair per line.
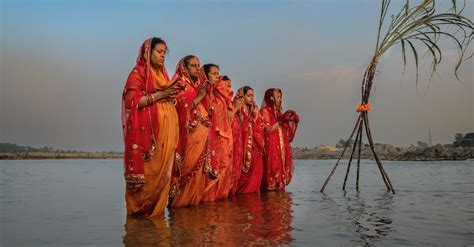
150,197
193,154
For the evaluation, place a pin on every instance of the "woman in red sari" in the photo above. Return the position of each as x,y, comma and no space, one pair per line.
279,129
150,126
193,152
253,144
224,110
218,186
237,150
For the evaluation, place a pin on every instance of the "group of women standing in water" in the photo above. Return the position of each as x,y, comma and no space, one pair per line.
188,139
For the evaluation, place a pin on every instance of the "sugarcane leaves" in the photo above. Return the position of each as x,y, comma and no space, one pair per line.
413,25
421,25
415,54
404,56
455,6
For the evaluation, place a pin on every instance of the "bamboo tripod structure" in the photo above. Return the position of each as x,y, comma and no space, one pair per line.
419,23
361,124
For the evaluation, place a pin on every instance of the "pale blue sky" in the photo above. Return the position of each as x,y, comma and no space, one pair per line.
64,64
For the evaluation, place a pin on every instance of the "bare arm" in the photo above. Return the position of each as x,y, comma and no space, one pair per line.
149,99
201,94
168,93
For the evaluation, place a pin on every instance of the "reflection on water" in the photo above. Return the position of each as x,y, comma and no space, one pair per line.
149,232
256,220
248,220
369,219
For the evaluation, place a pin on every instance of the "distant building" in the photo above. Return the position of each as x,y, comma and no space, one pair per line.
327,148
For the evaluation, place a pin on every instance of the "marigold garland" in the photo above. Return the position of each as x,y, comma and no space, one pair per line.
363,107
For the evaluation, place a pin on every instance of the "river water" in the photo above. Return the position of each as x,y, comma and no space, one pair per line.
81,203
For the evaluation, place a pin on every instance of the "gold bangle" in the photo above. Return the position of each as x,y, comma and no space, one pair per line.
149,99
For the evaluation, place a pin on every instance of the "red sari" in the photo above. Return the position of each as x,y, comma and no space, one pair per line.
252,149
237,149
193,152
150,138
219,101
278,160
224,148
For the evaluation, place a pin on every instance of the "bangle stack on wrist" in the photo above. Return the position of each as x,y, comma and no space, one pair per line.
150,99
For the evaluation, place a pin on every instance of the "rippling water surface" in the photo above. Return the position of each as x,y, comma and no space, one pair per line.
81,203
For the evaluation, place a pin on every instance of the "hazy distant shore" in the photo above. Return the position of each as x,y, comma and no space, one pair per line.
461,149
384,151
389,152
58,155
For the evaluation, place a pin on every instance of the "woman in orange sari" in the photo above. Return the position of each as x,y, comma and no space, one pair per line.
279,129
253,145
150,126
193,152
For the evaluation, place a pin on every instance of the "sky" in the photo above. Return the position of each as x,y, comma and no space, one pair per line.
64,64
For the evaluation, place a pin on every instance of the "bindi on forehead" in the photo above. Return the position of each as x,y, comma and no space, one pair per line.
160,48
193,61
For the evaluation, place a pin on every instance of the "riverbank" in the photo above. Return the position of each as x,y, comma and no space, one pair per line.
388,152
59,155
384,151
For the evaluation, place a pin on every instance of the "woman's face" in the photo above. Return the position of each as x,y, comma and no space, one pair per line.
277,97
193,67
227,83
158,55
213,75
248,97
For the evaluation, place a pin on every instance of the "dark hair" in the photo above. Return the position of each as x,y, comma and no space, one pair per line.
278,91
207,68
225,78
155,41
246,89
187,59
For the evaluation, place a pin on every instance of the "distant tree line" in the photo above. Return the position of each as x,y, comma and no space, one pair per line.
460,140
14,148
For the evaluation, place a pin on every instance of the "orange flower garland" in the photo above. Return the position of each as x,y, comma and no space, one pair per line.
363,107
